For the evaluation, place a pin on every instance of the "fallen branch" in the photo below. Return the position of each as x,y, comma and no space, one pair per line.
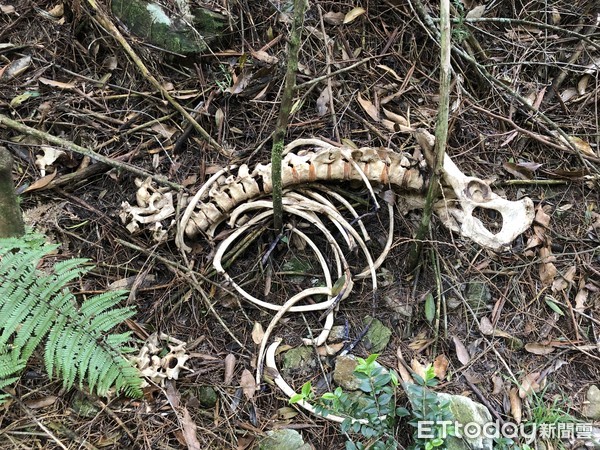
104,20
85,152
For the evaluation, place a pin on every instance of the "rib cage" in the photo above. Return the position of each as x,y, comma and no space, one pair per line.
328,163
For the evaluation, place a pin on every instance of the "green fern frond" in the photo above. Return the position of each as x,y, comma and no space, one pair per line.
38,306
10,366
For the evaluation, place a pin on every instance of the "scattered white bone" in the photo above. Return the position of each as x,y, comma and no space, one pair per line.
154,206
158,369
289,391
50,155
472,193
237,197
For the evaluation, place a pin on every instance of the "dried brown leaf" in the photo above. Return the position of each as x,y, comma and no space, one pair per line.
582,84
476,12
581,299
529,384
461,351
419,343
173,395
561,283
189,431
397,118
229,366
401,123
56,84
330,349
263,56
582,146
404,374
539,349
41,402
486,327
498,384
417,368
57,11
219,117
566,174
353,14
41,183
440,366
248,384
516,406
286,413
163,130
547,269
240,83
542,217
15,68
244,442
393,127
257,333
334,18
389,70
518,171
369,108
568,94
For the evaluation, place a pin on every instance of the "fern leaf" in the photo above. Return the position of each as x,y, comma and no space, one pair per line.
101,302
38,306
52,344
10,366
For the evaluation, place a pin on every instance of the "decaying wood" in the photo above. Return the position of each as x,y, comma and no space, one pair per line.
11,219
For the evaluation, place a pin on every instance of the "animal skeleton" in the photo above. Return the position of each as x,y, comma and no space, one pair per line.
236,197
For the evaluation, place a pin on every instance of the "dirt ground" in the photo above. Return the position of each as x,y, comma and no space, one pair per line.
79,84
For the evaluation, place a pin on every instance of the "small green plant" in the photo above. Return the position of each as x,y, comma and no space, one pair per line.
227,81
428,407
36,306
460,32
371,413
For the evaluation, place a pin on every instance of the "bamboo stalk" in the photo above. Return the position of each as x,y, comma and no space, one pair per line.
285,110
441,135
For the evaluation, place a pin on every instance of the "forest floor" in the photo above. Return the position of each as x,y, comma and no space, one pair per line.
542,296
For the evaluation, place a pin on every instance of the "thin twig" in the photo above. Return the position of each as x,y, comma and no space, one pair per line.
85,151
193,276
499,84
544,26
329,86
102,18
337,72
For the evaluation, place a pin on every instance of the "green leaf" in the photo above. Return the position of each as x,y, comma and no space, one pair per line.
402,412
78,343
553,306
338,285
307,389
429,307
296,398
371,359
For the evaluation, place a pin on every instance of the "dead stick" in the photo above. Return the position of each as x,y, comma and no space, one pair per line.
85,151
105,21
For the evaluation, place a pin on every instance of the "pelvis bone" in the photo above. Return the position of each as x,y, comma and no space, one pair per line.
474,193
323,162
